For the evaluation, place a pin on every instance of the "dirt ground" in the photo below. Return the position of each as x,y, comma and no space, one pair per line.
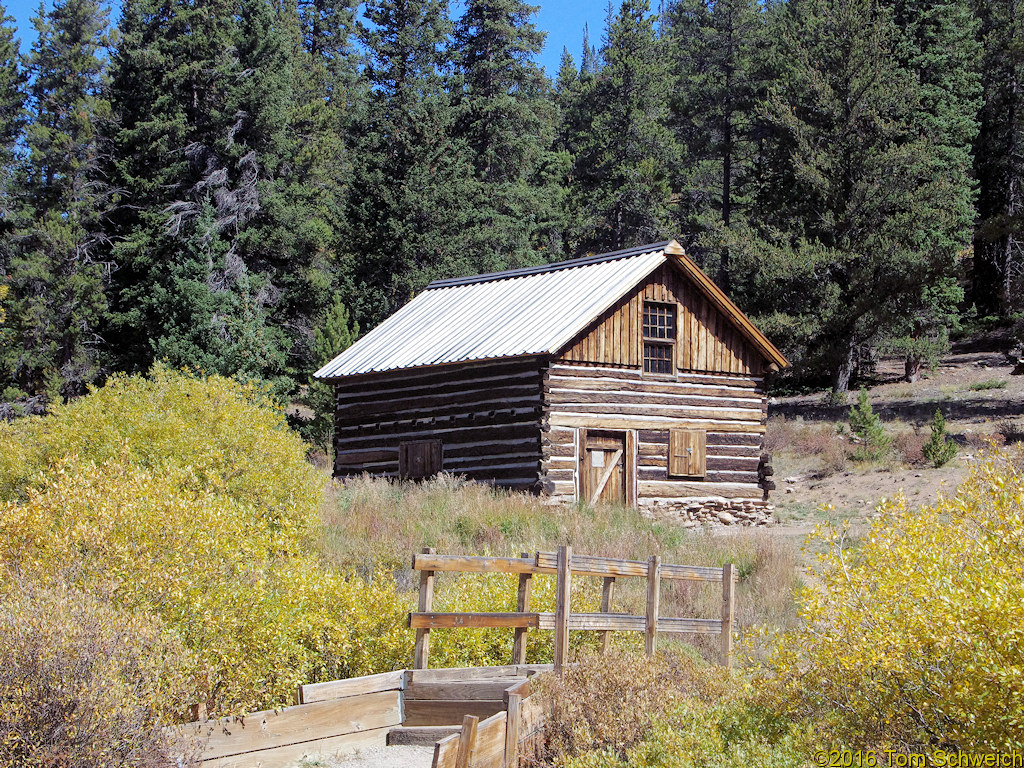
979,398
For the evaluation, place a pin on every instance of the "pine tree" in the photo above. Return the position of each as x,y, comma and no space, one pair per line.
336,333
407,214
846,199
718,80
939,449
230,152
623,148
505,117
58,305
997,279
12,125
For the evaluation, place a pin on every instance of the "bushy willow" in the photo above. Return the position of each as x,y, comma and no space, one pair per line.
912,637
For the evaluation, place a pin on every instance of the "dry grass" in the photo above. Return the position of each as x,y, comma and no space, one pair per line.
611,701
371,523
820,441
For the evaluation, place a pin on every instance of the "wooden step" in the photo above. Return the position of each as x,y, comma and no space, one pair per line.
420,735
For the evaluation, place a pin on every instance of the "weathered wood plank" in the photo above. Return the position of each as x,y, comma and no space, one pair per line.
460,690
468,620
449,712
355,686
475,673
294,725
474,564
680,489
293,754
446,751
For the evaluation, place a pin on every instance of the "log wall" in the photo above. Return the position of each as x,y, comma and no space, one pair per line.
706,340
486,414
732,410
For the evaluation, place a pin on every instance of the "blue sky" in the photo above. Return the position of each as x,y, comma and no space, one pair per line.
563,20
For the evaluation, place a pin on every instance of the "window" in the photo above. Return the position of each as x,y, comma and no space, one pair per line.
419,459
659,337
687,453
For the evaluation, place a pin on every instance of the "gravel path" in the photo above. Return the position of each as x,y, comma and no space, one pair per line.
386,757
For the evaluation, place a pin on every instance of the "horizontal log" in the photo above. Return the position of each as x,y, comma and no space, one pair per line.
743,476
449,712
697,489
468,620
560,475
437,375
353,686
651,386
593,371
460,690
498,398
573,396
293,725
646,422
518,385
675,411
453,414
468,433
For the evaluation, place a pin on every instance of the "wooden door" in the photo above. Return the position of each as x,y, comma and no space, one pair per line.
603,466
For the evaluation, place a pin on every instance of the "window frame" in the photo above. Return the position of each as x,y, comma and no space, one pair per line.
666,343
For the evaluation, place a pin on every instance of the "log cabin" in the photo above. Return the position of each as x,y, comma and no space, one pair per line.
624,377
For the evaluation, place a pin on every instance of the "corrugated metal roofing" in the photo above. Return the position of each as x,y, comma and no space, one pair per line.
532,311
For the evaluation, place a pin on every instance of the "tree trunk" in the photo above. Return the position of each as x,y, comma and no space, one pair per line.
912,368
844,371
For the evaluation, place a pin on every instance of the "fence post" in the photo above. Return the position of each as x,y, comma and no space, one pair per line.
653,598
607,595
421,659
467,741
522,606
728,609
512,731
563,587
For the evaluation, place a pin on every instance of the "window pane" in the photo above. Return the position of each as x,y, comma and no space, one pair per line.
659,321
658,357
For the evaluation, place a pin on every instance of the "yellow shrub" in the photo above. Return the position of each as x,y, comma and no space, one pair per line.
261,616
487,593
231,438
913,637
84,685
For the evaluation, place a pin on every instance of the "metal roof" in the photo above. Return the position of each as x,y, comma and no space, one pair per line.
522,312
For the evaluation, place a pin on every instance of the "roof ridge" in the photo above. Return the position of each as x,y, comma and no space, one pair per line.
582,261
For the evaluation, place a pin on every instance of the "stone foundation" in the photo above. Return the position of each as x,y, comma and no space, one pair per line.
712,511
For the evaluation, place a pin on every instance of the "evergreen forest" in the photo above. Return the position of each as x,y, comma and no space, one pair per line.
243,186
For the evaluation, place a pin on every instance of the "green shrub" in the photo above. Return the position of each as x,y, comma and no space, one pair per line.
912,639
939,449
981,386
85,685
867,427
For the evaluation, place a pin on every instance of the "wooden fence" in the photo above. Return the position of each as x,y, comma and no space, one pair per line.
340,717
565,565
506,739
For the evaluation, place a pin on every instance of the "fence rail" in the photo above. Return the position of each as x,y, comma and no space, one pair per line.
564,565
